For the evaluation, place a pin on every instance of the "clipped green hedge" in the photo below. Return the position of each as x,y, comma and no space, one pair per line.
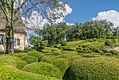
90,55
49,50
11,73
109,43
47,59
102,68
29,59
43,69
63,43
56,53
12,60
62,64
114,52
36,54
20,55
20,64
68,48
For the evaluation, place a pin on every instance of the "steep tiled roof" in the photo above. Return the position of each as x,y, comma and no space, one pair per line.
18,25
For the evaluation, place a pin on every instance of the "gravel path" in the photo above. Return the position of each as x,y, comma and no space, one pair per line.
116,48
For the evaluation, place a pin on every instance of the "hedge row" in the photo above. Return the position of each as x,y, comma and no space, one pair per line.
100,68
43,69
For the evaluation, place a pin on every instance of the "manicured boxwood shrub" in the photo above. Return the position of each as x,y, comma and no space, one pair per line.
114,52
12,60
79,49
86,50
20,64
61,63
49,50
29,59
47,59
104,50
43,69
90,55
82,49
94,69
63,43
97,50
36,54
68,48
20,55
109,43
56,53
11,73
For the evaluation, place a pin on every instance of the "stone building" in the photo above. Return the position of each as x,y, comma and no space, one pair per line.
19,33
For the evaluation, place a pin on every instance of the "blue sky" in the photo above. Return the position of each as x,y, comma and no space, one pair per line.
85,10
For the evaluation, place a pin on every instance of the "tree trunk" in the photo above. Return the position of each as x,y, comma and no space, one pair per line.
10,32
9,39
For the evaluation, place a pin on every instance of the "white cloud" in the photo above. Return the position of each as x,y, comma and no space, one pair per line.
70,24
111,15
56,15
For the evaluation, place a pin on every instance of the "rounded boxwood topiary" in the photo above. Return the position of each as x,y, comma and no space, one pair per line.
20,55
29,59
94,69
13,61
36,54
47,59
61,63
97,50
56,53
11,73
108,43
43,69
63,43
114,52
79,49
20,64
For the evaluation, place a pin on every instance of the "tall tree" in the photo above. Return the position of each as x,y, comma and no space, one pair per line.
12,7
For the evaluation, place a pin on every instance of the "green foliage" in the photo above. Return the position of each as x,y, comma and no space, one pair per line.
83,50
12,60
56,34
49,50
114,52
43,69
29,59
79,49
56,53
63,43
61,63
36,54
68,48
69,55
11,73
115,42
9,70
94,69
47,59
26,50
92,46
90,55
108,43
18,51
20,55
97,50
20,64
104,50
